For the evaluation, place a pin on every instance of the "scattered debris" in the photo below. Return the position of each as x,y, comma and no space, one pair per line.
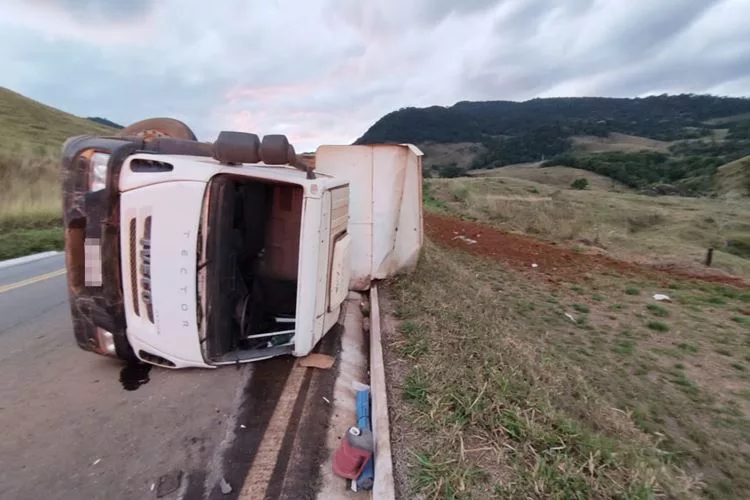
96,461
153,486
226,488
366,477
317,360
662,298
570,317
168,483
465,239
326,400
534,265
243,426
354,450
359,386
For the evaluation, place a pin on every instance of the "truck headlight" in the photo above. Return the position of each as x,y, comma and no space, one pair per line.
98,171
105,342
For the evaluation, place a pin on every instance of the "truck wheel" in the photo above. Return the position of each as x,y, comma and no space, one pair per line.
158,127
274,150
236,147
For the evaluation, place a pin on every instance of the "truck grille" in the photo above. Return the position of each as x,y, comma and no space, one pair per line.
146,269
133,269
140,289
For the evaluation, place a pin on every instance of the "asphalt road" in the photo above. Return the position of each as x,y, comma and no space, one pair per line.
70,431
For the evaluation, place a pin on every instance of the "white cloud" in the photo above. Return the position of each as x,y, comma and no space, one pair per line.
323,71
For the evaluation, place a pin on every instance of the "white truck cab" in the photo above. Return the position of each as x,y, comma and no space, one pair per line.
187,254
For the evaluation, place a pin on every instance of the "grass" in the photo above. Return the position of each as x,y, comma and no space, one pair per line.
732,178
658,326
666,230
498,402
581,308
22,242
687,347
657,310
31,135
559,177
618,142
30,128
625,347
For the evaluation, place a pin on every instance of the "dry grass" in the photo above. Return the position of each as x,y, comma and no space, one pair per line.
30,206
733,179
28,187
664,230
31,135
618,142
496,394
560,177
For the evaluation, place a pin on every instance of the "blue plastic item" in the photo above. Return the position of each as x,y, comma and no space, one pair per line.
367,477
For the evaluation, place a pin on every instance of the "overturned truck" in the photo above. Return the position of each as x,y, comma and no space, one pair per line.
182,253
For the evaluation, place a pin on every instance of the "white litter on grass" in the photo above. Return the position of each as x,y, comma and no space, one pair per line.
570,317
243,426
465,239
534,265
153,486
662,298
97,461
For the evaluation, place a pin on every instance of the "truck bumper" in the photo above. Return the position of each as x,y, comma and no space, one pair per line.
92,255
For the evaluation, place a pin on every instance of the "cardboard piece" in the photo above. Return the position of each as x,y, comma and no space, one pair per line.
317,360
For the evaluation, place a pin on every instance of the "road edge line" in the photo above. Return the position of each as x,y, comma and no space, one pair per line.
27,258
383,487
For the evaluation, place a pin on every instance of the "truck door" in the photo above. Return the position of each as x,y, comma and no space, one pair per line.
333,265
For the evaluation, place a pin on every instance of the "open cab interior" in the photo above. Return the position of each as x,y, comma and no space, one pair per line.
248,268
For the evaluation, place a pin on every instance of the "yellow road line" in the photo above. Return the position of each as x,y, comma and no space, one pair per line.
256,481
31,281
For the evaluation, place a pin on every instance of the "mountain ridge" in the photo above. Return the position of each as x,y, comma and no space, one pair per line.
677,140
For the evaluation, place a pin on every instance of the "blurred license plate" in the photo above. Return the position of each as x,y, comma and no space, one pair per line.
93,262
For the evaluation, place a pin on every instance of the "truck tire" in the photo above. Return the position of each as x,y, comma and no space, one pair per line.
236,147
158,127
274,150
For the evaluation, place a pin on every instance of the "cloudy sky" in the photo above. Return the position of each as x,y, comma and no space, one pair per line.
322,71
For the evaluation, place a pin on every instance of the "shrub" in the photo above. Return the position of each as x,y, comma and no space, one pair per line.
450,171
581,183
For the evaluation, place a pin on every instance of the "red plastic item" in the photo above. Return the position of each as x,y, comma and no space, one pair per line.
352,454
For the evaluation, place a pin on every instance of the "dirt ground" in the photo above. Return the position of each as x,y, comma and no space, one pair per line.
552,261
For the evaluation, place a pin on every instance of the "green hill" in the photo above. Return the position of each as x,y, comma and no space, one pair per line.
664,117
674,143
30,128
31,135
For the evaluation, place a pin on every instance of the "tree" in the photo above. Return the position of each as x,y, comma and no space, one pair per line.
580,183
450,171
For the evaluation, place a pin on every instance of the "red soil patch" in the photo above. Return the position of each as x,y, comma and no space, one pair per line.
554,262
